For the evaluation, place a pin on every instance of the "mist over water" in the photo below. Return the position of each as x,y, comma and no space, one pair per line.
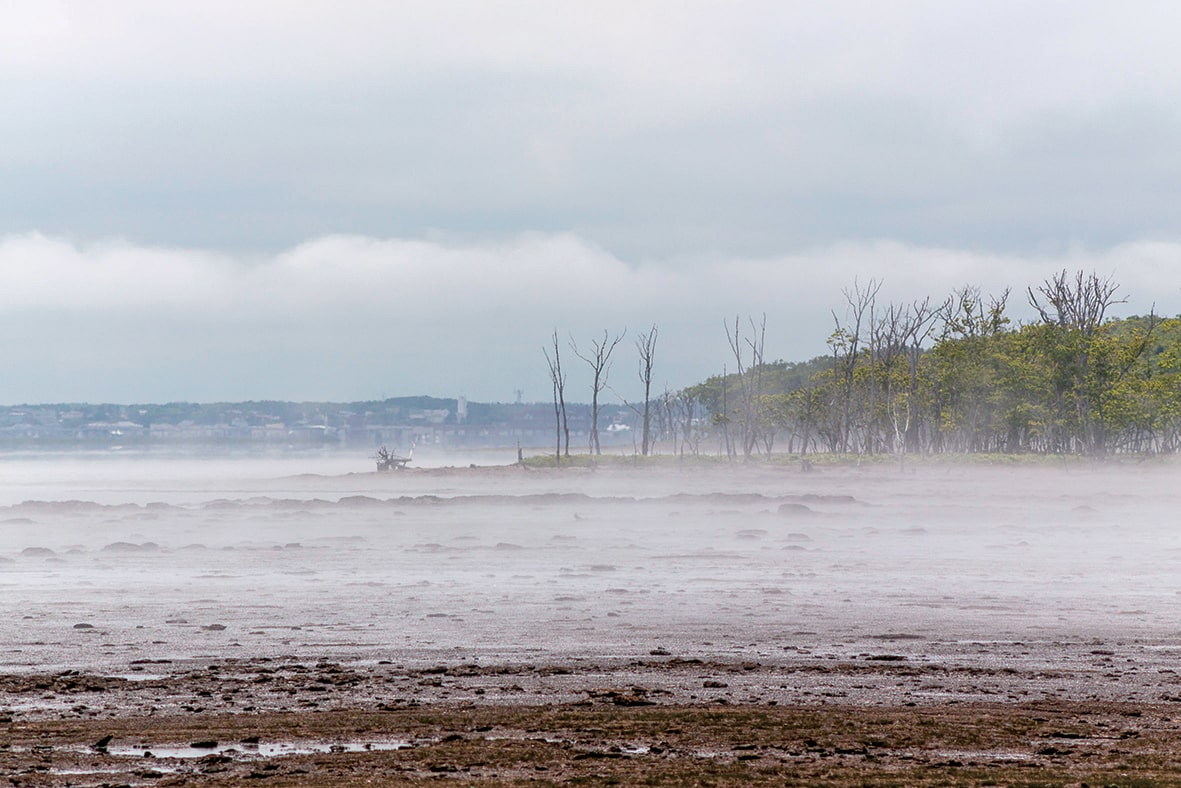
146,477
108,561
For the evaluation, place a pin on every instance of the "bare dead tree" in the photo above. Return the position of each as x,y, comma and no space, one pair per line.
599,360
722,419
676,414
683,409
646,347
750,378
899,334
921,324
845,342
871,429
666,426
736,348
558,378
1080,303
888,338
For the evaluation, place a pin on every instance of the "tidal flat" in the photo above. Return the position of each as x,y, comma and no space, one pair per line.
640,625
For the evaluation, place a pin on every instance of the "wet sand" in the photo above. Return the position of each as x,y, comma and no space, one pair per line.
737,625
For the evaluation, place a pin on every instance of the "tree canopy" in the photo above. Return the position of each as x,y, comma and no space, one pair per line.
958,376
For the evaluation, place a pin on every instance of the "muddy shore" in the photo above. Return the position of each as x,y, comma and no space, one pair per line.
661,721
846,626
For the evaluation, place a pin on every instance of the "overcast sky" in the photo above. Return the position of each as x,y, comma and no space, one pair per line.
348,200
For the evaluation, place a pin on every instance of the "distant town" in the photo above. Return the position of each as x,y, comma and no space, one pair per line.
398,422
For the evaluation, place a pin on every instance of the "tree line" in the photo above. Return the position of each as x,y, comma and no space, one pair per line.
953,376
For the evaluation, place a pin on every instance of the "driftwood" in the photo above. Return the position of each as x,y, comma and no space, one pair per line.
387,460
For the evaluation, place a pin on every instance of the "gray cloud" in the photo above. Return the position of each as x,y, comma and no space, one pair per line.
661,131
355,317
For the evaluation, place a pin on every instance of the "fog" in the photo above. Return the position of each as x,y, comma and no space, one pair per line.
107,562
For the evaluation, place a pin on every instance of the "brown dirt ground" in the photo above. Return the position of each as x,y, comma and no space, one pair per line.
628,734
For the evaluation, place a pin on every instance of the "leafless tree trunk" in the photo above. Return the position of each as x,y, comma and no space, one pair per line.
558,377
808,416
599,360
901,332
889,339
750,379
686,406
845,342
664,417
646,345
919,328
871,425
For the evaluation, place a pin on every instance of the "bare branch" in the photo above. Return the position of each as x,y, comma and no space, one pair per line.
558,378
599,360
1081,303
646,347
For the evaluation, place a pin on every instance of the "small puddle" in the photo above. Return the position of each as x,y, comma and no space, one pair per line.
96,772
985,755
252,751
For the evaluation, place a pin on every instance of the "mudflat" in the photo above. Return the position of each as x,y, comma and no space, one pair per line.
213,623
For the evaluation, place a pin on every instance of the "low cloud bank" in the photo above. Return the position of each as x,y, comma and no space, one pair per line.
346,317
